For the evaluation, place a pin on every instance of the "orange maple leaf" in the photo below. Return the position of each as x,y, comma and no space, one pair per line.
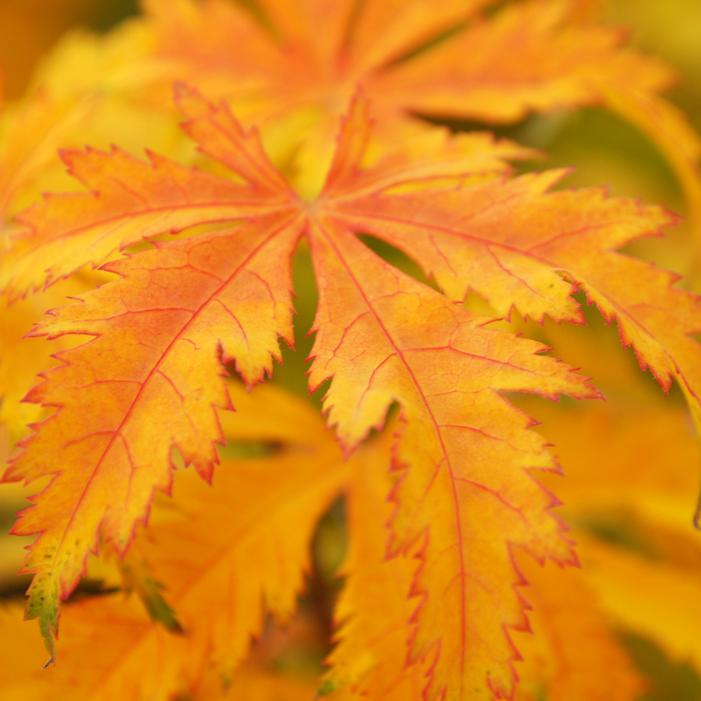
251,566
298,65
573,653
162,330
100,630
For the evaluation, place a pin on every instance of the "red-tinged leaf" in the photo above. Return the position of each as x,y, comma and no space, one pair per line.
130,200
430,157
489,237
148,382
223,138
467,495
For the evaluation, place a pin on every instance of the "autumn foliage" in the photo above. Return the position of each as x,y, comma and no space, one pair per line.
312,156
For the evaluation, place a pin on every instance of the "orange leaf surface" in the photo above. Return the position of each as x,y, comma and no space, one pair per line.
490,238
153,367
571,650
100,630
467,494
257,499
30,133
20,361
81,229
631,465
298,66
203,564
384,338
630,495
628,583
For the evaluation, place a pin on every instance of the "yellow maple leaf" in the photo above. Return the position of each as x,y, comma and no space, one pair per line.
252,565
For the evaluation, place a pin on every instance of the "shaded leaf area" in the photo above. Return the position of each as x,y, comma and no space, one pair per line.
669,679
584,137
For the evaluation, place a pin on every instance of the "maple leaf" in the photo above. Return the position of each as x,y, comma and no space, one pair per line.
571,650
166,319
514,254
251,567
297,68
141,213
369,660
383,337
467,494
30,133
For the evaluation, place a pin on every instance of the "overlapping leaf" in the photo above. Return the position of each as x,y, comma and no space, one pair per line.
630,495
370,660
220,579
30,133
179,310
667,593
384,338
297,67
654,445
571,652
100,630
256,562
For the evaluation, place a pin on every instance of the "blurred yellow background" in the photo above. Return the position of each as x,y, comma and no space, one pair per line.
31,27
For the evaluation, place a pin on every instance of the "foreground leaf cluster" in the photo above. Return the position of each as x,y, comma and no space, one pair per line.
305,141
